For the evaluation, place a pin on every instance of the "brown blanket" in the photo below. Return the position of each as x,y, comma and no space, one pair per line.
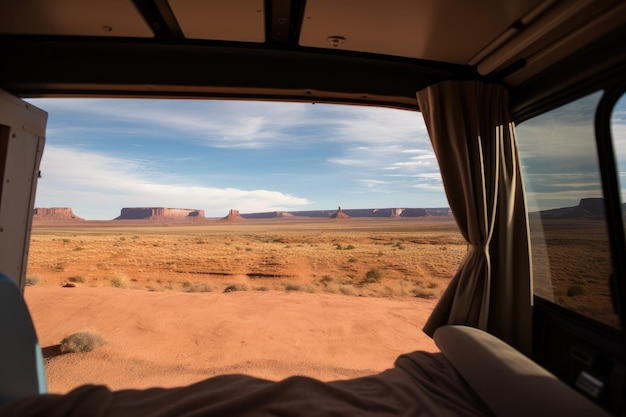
420,384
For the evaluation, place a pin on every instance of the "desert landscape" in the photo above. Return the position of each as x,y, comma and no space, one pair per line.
177,302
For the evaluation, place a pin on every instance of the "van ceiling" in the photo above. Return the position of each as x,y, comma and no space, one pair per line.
369,51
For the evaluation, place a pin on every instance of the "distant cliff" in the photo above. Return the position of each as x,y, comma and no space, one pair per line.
385,212
156,213
55,213
586,208
233,215
340,214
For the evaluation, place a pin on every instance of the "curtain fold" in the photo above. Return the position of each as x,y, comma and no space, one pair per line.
473,137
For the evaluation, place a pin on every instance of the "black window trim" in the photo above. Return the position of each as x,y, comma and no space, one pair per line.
612,198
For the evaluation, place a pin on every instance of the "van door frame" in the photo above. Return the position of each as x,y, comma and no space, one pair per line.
22,138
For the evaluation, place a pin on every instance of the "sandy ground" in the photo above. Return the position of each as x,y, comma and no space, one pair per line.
172,338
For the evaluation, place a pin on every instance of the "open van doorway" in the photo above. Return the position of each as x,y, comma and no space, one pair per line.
199,238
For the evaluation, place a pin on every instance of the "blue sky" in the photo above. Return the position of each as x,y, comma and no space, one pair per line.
558,153
105,154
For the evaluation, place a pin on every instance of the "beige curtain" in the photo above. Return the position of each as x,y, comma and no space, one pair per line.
470,127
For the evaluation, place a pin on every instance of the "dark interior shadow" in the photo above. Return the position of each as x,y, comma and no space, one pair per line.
51,351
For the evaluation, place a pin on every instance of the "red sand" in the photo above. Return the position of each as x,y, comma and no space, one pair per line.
171,338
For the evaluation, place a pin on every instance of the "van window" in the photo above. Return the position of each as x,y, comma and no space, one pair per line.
618,133
569,238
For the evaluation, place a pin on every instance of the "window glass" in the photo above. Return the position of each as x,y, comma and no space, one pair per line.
570,246
618,132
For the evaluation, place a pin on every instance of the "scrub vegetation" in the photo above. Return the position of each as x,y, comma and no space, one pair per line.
376,257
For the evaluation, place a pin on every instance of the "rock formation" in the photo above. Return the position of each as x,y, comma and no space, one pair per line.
157,213
354,213
339,214
587,208
233,215
55,213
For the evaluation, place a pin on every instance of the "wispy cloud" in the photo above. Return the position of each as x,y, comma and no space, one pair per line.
91,180
168,152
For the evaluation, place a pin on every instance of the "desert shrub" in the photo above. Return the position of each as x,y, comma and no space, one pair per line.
298,287
67,240
373,275
575,290
346,290
200,287
422,293
81,342
352,259
293,287
78,278
118,281
347,247
432,285
263,288
236,287
32,280
327,278
78,248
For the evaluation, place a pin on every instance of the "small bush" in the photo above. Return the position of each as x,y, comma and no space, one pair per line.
236,287
575,290
78,278
81,342
78,248
338,246
349,247
293,287
346,290
352,259
261,289
298,287
67,240
373,275
118,281
200,287
32,280
421,293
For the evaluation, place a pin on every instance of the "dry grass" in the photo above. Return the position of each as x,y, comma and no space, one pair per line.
408,256
81,342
